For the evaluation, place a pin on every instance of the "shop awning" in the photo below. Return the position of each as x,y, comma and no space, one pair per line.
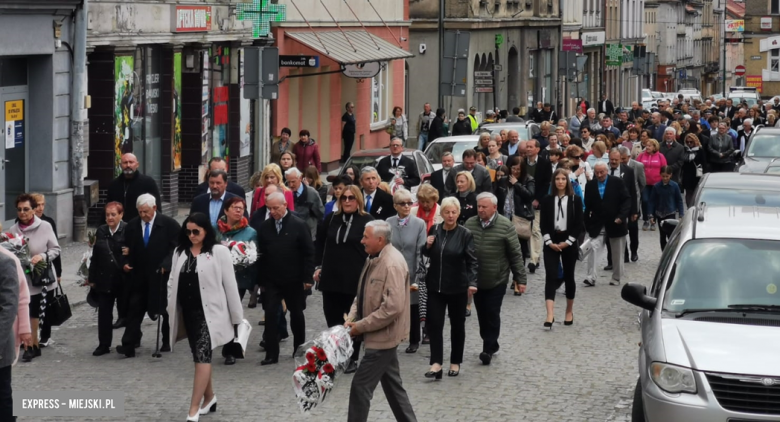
367,48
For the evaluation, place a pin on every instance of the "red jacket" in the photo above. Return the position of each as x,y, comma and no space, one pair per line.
307,155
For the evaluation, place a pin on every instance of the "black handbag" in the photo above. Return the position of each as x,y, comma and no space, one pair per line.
46,277
58,308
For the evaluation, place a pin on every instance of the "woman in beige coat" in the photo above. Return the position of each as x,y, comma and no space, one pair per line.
203,303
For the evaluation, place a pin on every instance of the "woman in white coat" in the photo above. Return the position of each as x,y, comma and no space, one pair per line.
203,303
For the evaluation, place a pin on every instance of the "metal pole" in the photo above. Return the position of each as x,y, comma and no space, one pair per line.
725,62
77,124
495,82
441,50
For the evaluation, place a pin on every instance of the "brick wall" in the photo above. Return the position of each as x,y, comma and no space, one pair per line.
95,214
170,194
188,182
241,169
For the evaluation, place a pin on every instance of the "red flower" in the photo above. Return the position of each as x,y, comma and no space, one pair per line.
310,357
321,355
328,368
311,367
242,248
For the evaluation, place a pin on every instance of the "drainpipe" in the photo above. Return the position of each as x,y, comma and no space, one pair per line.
77,95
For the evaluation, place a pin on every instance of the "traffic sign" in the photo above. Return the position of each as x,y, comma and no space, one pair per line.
483,82
739,70
483,74
483,89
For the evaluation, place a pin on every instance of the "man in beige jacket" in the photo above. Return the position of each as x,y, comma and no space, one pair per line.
380,313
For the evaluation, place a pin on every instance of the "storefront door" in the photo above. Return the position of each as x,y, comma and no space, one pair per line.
13,155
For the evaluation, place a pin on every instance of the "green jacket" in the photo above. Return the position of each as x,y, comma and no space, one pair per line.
498,249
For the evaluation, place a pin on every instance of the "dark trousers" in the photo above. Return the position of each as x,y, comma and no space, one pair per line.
646,194
552,259
6,395
135,316
335,305
525,249
664,237
488,303
379,365
105,318
349,140
414,324
438,305
272,300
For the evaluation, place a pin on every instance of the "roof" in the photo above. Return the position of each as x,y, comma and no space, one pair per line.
736,9
368,48
749,222
753,181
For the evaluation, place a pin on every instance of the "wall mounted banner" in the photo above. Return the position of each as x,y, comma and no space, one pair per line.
176,143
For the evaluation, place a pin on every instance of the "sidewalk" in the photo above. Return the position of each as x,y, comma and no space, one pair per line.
71,260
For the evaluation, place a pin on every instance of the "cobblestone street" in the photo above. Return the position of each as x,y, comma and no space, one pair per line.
581,373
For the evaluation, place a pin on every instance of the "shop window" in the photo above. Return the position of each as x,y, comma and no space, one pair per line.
775,4
774,60
13,71
380,95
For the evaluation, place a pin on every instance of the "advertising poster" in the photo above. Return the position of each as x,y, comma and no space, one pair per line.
245,124
123,106
205,122
220,122
176,144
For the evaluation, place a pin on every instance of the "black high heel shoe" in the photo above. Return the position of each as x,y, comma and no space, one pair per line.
569,322
452,373
549,324
437,375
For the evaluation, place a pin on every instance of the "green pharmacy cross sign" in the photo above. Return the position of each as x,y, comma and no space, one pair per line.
261,14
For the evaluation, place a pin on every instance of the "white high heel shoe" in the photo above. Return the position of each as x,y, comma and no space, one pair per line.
210,407
193,418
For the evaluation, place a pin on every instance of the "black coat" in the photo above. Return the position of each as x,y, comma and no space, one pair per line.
629,179
453,265
481,178
126,192
689,179
201,204
342,262
574,216
438,182
386,172
542,176
287,257
462,127
57,262
147,261
608,110
523,193
258,217
602,212
468,206
382,205
106,266
232,187
437,129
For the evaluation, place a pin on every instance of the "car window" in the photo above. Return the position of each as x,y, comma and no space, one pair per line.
436,149
361,162
740,197
533,130
663,265
420,161
716,273
764,146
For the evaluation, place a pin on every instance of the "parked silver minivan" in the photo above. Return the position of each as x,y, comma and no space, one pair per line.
710,323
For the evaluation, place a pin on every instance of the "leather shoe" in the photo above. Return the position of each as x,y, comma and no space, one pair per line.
532,268
28,355
412,348
351,367
128,352
269,361
485,357
230,360
608,268
262,344
101,350
119,323
634,257
165,347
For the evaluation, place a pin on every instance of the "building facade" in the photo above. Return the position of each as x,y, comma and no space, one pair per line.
593,36
519,37
651,33
762,46
35,92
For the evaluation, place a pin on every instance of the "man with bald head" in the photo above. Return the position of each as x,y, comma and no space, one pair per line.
131,184
513,145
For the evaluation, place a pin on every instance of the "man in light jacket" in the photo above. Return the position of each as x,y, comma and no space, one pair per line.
14,325
380,314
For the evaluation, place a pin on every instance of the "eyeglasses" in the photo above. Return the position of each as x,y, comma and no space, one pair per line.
347,198
404,204
396,146
193,232
240,209
575,157
24,209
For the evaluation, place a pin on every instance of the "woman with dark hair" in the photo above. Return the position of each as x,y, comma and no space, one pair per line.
312,177
437,126
106,277
338,185
515,191
203,297
282,145
398,125
561,222
43,246
353,172
307,152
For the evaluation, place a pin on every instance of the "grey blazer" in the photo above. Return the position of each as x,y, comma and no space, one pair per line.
310,209
640,181
9,307
409,240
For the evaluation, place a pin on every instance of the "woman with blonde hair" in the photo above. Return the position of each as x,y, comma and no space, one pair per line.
464,183
677,129
429,211
599,153
482,145
271,175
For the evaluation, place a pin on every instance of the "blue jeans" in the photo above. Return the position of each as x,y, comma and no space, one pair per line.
646,192
422,139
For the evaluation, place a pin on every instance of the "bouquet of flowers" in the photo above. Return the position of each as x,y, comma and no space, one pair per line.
86,258
319,362
244,254
17,244
400,172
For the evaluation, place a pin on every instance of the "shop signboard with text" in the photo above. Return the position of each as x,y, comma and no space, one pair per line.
190,18
755,81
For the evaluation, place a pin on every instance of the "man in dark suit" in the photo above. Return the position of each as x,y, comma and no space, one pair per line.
378,202
219,163
540,168
131,184
605,106
151,238
480,174
261,214
439,177
211,203
286,263
607,209
387,167
729,110
623,171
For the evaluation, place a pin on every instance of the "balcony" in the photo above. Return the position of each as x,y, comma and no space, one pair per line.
711,67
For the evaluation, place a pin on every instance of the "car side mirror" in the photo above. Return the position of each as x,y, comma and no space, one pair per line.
331,178
636,294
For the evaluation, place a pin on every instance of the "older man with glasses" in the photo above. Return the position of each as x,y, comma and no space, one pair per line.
398,167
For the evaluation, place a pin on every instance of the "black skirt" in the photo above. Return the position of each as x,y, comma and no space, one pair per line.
189,300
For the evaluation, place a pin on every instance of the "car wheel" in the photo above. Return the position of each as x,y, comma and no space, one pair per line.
638,407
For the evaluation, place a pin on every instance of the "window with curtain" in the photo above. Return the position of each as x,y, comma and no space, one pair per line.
380,95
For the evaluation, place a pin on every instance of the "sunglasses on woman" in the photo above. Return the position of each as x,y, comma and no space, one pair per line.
347,198
193,232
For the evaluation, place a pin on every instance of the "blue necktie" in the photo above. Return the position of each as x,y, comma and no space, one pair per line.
368,203
146,234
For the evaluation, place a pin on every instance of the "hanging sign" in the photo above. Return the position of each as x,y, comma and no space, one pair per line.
361,70
190,18
14,123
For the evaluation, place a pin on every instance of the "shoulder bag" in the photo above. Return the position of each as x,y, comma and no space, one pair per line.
522,227
46,277
58,310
